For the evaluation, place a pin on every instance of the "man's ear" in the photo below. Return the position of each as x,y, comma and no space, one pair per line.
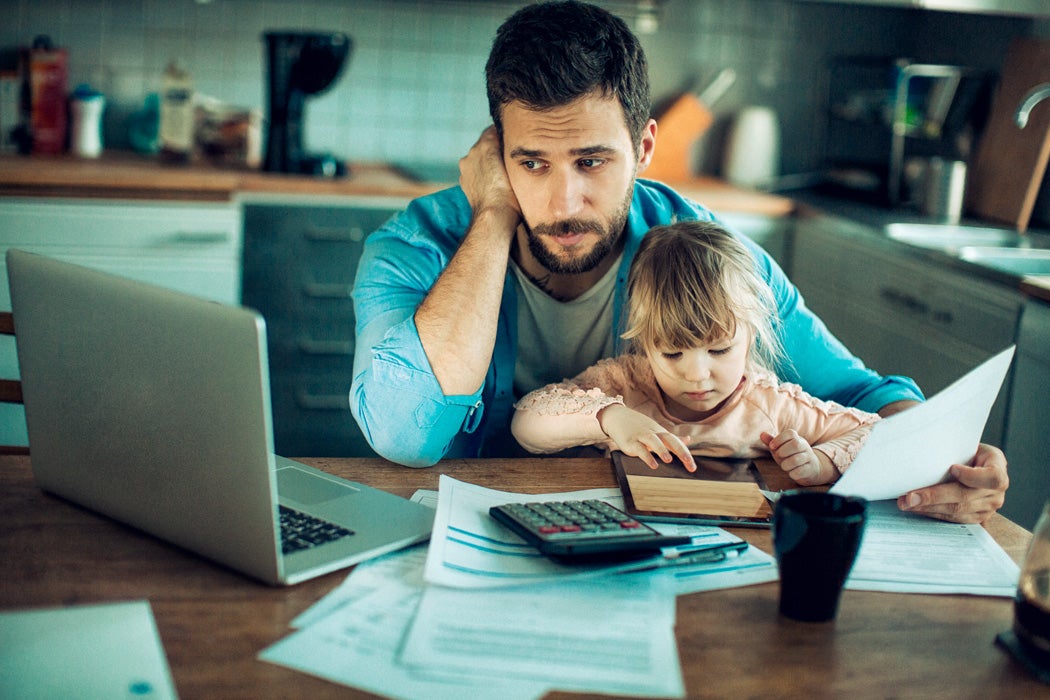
647,145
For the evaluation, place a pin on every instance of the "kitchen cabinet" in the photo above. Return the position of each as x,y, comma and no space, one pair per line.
773,233
299,267
899,314
189,246
1027,444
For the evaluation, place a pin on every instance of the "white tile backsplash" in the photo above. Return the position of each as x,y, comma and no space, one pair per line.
413,89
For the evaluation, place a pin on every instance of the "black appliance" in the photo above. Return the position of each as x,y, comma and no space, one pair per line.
299,64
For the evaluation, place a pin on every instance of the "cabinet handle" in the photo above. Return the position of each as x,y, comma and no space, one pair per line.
312,346
328,290
353,234
943,317
322,402
201,237
904,301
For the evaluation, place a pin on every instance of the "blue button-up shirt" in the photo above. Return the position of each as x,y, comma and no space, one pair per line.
397,401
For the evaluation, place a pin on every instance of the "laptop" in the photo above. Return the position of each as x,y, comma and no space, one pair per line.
152,407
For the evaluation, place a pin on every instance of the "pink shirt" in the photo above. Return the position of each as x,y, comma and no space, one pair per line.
563,415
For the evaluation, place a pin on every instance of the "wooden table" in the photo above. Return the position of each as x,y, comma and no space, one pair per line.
732,643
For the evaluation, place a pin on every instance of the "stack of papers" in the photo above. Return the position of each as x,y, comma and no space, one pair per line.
472,615
469,616
469,549
908,553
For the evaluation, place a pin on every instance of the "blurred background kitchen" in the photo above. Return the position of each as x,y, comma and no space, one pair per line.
413,88
841,136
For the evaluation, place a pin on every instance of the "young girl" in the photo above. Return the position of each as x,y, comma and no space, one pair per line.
697,375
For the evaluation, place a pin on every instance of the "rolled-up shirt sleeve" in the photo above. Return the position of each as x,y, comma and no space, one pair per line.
398,403
395,397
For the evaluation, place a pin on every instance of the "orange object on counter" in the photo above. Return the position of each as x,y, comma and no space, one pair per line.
46,70
679,126
677,129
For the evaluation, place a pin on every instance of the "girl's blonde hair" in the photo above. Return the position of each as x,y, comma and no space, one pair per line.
690,284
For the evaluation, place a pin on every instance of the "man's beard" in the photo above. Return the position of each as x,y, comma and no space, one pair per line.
609,237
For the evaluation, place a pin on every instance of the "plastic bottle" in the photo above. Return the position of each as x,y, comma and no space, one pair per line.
176,115
86,105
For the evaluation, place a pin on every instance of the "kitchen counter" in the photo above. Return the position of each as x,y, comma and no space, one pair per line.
135,176
719,196
128,175
1037,288
874,219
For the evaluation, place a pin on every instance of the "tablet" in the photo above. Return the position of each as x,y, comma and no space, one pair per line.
721,491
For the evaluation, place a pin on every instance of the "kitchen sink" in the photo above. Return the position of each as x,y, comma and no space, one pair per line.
1018,261
998,248
952,238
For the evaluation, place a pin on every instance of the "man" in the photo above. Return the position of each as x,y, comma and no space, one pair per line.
480,293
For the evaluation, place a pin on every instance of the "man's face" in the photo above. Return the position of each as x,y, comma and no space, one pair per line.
572,169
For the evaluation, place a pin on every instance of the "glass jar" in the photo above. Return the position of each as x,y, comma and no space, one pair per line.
1029,639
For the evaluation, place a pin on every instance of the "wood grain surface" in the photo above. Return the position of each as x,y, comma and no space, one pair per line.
732,643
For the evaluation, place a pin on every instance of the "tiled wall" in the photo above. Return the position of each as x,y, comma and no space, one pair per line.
413,90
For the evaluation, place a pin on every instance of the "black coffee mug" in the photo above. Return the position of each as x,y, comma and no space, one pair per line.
816,537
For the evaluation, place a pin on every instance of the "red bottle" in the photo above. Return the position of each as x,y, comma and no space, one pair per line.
45,70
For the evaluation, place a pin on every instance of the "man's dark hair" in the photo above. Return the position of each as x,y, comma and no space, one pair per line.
549,54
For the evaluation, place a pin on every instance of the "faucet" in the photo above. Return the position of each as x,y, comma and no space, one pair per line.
1034,97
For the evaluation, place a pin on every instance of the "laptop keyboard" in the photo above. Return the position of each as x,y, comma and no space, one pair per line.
301,531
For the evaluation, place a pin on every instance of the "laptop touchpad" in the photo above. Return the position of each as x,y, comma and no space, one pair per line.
309,489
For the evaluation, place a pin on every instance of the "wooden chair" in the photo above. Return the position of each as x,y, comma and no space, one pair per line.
10,389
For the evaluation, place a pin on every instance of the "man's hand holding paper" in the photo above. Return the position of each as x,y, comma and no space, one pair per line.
920,456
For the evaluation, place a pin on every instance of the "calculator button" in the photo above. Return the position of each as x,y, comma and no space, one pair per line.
581,529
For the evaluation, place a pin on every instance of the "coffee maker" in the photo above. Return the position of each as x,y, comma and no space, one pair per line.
299,64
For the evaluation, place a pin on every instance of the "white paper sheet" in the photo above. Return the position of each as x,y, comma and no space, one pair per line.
357,642
610,635
907,553
915,448
469,549
89,651
404,566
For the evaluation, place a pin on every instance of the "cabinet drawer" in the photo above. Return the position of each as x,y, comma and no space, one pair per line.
191,247
178,228
917,295
312,418
299,267
324,242
302,260
298,293
901,315
311,344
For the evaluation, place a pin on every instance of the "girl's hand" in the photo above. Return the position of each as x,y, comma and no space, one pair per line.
640,436
795,456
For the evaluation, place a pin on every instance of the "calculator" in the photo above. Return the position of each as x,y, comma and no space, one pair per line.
583,531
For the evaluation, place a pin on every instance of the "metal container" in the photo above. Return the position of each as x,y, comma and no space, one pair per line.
945,185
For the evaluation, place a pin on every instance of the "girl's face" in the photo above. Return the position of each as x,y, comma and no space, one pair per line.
695,381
